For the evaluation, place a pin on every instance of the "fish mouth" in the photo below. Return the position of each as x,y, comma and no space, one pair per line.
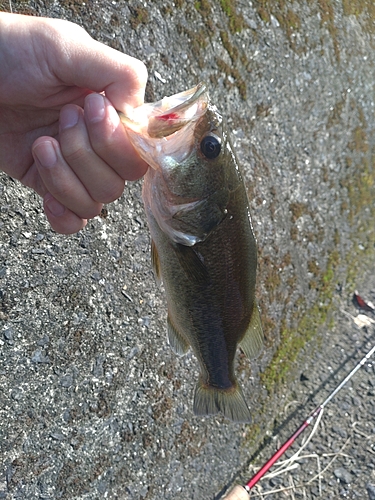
164,131
169,115
177,111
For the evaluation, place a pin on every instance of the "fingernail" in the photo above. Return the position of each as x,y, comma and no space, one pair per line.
68,117
54,206
45,153
95,108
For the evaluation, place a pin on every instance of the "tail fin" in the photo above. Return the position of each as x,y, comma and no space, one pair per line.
230,402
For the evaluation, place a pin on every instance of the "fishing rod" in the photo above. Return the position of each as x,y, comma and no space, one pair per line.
243,492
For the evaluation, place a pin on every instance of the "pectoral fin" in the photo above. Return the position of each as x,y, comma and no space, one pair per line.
198,218
155,262
191,263
177,342
253,340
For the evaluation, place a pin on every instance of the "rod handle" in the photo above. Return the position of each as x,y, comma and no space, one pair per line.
238,493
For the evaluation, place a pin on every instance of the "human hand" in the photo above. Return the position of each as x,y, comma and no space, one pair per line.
60,133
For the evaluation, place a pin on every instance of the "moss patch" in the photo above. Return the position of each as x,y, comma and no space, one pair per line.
235,20
290,21
226,26
198,40
138,15
287,18
292,341
234,73
203,6
364,10
297,210
327,19
229,47
359,208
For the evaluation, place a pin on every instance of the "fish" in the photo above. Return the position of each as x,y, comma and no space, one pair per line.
203,247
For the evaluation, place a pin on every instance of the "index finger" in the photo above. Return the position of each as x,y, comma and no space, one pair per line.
87,63
123,78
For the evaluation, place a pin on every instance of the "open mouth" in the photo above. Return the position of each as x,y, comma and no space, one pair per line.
167,116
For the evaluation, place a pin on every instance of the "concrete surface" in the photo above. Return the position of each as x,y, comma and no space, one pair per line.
93,403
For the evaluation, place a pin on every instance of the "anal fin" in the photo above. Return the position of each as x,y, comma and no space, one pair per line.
252,343
230,402
177,342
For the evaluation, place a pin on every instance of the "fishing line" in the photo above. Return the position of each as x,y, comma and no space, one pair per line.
243,492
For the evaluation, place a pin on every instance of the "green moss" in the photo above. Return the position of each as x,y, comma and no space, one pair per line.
290,22
138,15
273,279
77,7
329,274
276,287
293,233
264,14
287,259
313,267
115,21
229,47
262,110
336,238
327,19
279,366
167,10
342,264
235,74
236,21
352,8
203,6
360,187
198,40
297,209
292,341
363,9
359,141
253,433
360,180
242,89
288,19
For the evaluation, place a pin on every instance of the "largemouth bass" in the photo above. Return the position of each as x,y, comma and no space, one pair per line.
203,247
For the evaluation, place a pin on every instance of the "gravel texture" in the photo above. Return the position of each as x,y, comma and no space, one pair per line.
93,403
339,460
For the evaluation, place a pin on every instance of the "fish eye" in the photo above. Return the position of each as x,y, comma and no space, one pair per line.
211,146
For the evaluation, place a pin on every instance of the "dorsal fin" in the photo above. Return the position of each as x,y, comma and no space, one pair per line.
155,262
